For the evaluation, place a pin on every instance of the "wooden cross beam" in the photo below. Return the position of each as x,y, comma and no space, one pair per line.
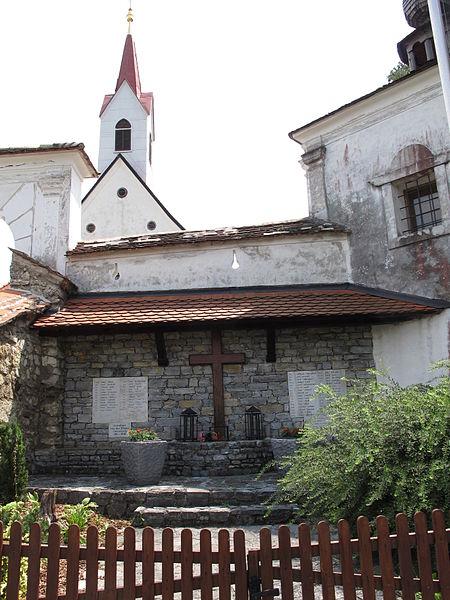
217,359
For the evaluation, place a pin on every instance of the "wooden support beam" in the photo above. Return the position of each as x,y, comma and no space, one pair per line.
163,361
271,355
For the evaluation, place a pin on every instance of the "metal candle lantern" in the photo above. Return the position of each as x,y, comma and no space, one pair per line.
189,425
253,424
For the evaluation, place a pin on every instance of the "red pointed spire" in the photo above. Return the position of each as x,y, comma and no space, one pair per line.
129,72
129,67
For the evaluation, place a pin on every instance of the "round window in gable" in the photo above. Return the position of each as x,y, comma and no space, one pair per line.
90,227
122,192
151,225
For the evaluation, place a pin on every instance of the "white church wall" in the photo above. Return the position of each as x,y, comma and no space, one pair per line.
125,105
40,198
408,349
122,217
358,145
311,260
6,242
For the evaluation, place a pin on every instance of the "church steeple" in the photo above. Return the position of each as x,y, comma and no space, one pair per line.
127,122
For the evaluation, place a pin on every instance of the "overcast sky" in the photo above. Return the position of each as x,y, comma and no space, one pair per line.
230,79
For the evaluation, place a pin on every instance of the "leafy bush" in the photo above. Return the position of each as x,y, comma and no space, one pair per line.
79,514
13,470
385,449
399,71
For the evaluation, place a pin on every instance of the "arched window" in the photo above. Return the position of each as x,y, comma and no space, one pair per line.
123,136
420,54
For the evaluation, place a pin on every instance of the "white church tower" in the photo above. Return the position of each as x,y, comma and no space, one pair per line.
127,123
121,204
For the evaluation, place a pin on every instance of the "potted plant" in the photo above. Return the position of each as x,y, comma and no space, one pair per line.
143,456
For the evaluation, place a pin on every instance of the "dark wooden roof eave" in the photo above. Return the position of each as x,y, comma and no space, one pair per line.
259,323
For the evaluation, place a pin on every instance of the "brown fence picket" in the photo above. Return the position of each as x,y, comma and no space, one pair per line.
345,553
1,548
304,542
167,564
442,556
34,562
54,546
110,564
265,544
385,558
15,546
73,557
326,561
206,564
129,563
284,542
253,573
240,567
365,557
404,557
148,564
91,563
224,565
186,564
424,556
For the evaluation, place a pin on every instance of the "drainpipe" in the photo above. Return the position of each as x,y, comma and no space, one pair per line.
440,42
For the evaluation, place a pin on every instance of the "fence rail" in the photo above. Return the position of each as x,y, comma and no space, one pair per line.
405,561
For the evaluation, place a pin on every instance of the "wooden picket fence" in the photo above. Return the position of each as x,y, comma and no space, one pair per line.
409,562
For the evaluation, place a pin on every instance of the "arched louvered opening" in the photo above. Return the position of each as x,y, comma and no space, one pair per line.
123,136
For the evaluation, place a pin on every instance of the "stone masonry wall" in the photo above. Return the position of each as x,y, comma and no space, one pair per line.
179,385
29,369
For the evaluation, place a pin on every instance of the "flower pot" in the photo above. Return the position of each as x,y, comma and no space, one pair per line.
144,461
283,447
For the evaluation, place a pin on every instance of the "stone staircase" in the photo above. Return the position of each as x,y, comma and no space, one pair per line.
176,502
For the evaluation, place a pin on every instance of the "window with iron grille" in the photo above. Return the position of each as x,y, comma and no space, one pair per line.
419,205
123,136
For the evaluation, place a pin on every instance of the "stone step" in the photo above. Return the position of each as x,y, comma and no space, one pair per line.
116,498
204,516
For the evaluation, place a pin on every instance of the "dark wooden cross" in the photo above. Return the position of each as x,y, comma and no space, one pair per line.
217,359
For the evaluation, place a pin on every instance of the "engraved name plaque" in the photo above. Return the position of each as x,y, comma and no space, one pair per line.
120,400
302,387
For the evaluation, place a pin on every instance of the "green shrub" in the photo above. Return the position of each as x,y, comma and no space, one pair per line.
13,470
384,450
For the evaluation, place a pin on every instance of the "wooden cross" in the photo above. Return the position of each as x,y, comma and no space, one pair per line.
217,359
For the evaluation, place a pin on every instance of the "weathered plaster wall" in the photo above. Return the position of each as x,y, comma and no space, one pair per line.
359,145
311,259
115,217
408,349
179,385
125,105
40,197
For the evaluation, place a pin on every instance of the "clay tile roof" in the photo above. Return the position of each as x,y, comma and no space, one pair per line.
304,226
304,304
14,303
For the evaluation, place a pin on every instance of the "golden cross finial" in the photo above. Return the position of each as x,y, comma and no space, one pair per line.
130,18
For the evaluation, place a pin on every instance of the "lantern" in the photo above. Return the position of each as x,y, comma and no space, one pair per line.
189,425
253,424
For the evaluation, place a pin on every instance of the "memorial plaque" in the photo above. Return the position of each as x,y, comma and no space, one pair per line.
119,431
302,387
120,400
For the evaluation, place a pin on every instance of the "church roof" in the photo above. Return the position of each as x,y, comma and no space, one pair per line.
129,72
14,303
305,226
303,304
57,147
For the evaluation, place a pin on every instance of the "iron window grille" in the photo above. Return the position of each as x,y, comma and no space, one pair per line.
419,204
123,136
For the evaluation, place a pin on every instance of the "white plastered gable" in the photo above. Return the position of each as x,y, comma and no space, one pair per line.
114,216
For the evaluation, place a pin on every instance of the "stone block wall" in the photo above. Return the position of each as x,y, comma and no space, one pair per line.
180,385
31,387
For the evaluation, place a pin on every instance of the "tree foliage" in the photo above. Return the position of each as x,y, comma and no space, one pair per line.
399,71
13,470
384,450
